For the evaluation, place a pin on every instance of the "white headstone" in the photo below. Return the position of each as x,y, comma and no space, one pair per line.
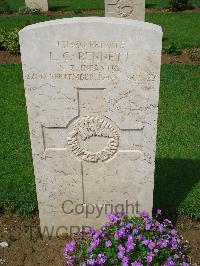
131,9
37,4
92,91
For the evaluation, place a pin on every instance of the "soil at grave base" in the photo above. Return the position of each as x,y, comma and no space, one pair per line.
25,250
184,58
8,58
26,245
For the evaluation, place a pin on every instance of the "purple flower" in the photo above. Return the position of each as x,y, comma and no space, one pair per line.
159,212
107,224
70,246
122,214
97,234
130,238
140,237
145,242
113,217
170,262
121,248
130,244
136,230
130,247
174,244
90,249
121,251
159,226
168,222
156,250
136,263
120,255
144,214
147,225
128,226
69,260
174,232
119,233
94,243
125,261
101,259
91,261
108,243
90,231
149,257
151,245
163,244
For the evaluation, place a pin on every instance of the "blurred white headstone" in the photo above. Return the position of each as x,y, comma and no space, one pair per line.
37,4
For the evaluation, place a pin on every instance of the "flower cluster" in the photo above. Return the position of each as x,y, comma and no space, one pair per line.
69,249
127,241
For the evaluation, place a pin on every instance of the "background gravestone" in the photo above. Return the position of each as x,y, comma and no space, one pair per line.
37,4
131,9
92,90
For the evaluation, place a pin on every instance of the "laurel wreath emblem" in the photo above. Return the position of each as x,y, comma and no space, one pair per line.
88,127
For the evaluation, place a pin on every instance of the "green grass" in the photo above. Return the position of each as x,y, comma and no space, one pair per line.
76,4
177,181
17,188
15,4
8,22
157,3
182,29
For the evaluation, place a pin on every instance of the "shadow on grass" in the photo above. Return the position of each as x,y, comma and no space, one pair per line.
58,8
174,179
150,5
165,39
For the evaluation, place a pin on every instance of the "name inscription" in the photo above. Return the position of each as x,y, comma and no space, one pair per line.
75,60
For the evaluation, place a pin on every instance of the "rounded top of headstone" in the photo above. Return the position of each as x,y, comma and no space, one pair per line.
89,20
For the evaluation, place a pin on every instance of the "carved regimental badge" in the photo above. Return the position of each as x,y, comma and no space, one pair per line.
88,127
124,8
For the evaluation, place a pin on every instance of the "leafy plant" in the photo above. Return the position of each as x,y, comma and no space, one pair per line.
172,49
179,5
4,7
27,10
10,41
135,241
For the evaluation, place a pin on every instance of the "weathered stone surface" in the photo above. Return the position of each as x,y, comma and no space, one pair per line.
131,9
37,4
92,90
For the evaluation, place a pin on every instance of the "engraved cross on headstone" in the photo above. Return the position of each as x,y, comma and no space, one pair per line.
92,138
